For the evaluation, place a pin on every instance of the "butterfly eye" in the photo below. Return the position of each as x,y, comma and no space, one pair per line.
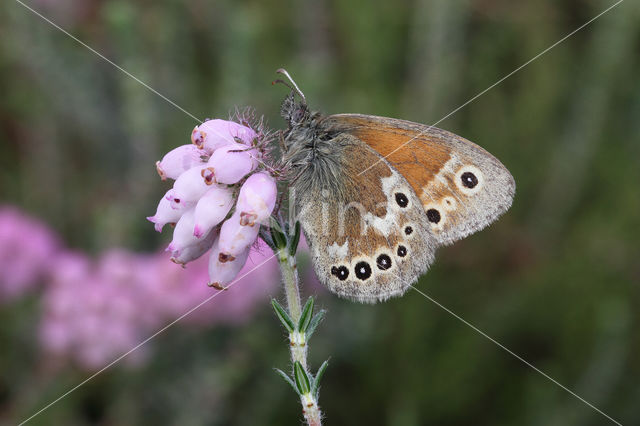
469,180
408,230
402,199
402,251
383,262
433,215
341,272
363,270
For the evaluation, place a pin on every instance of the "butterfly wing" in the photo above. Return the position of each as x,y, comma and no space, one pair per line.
368,234
461,187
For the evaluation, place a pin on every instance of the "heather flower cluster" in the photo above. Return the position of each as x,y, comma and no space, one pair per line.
223,192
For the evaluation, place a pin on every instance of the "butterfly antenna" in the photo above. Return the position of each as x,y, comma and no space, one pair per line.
295,87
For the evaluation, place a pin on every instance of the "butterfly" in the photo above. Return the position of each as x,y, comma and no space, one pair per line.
377,196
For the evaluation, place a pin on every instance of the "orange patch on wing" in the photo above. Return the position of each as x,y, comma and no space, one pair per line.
418,156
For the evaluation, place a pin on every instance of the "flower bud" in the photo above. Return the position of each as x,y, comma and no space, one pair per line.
212,209
213,134
179,160
235,237
166,212
232,162
222,268
192,184
257,198
194,251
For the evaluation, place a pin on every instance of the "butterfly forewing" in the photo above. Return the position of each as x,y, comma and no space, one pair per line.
371,242
462,188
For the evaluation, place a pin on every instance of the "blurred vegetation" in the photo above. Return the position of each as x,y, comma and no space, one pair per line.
555,280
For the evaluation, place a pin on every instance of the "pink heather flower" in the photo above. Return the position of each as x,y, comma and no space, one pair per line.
224,268
183,237
232,162
178,203
212,208
179,160
257,198
27,249
192,252
213,134
192,184
235,237
168,211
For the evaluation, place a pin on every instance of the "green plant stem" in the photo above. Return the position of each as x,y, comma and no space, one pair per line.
298,344
289,270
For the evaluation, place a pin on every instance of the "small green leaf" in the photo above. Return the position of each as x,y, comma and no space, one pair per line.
307,314
295,239
279,239
266,237
314,323
302,379
287,379
284,317
316,381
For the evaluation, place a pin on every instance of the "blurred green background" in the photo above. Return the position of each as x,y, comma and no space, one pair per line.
556,280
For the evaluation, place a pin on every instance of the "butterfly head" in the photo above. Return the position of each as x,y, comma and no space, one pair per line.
296,113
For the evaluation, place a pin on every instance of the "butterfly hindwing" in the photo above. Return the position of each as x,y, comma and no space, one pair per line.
462,188
368,234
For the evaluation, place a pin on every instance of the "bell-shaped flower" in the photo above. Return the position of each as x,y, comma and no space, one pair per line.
183,234
212,208
232,162
178,203
213,134
179,160
235,237
223,268
192,184
194,251
167,211
257,198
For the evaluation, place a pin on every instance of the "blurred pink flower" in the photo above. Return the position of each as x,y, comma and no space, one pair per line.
27,249
95,311
91,314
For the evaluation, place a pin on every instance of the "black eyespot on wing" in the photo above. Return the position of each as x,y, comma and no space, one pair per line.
341,272
383,262
402,199
363,270
469,180
408,230
402,251
433,215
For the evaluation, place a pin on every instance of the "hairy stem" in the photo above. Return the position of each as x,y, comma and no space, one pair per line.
297,341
